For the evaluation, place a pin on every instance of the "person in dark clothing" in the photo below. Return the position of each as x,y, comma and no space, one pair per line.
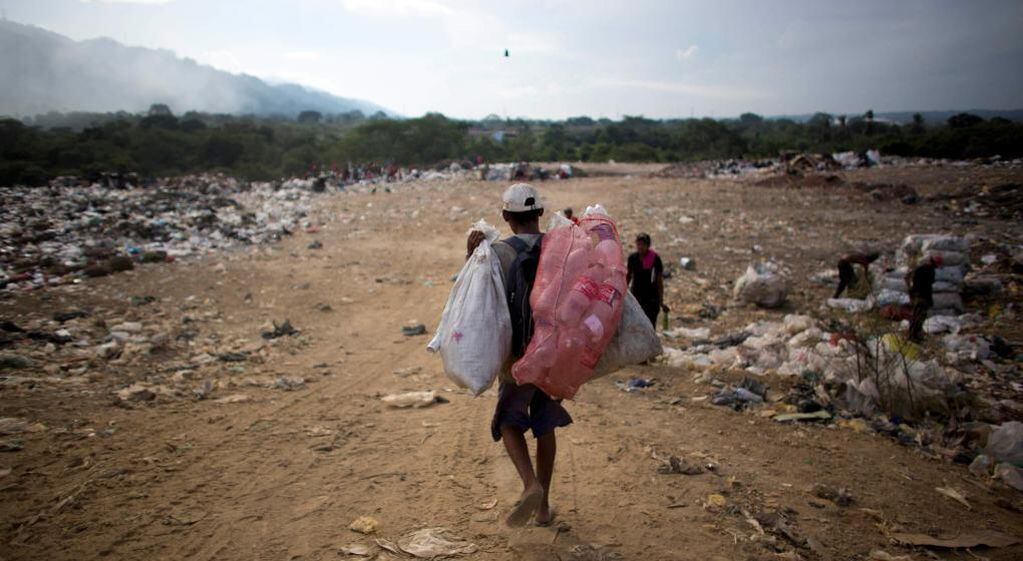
646,278
847,273
921,294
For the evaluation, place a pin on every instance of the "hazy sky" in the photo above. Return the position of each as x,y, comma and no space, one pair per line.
600,58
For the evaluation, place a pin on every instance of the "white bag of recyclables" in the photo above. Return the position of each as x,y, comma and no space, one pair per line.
891,297
948,258
947,301
763,284
953,249
634,343
897,284
474,335
851,305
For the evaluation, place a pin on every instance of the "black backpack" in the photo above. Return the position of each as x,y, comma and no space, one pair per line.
518,286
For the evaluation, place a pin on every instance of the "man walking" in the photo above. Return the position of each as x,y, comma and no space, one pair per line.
524,407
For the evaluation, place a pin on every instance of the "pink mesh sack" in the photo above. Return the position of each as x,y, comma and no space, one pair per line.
577,304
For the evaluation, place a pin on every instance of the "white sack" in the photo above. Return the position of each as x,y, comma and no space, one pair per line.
763,284
634,343
474,335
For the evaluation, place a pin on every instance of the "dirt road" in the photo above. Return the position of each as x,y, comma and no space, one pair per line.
279,475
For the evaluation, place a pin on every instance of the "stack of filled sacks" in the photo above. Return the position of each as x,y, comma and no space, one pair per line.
890,287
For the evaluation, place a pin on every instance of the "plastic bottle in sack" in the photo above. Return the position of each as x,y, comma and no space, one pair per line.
608,251
600,317
567,256
545,351
555,251
577,301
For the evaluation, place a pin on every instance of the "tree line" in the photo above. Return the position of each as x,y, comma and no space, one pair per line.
160,143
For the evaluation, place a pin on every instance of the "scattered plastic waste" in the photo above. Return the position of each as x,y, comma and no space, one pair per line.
435,543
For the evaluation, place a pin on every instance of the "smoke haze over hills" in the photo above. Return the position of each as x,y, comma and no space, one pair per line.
45,71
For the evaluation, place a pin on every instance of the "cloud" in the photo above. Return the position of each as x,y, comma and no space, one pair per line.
514,92
687,53
402,8
519,42
698,90
150,2
304,56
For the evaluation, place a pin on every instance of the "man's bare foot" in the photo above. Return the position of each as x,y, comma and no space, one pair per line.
544,515
525,507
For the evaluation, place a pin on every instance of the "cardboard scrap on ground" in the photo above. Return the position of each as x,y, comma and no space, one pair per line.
988,538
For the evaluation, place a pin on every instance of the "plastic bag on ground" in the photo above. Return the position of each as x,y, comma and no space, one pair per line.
634,342
411,399
435,543
851,305
576,303
474,334
892,298
763,284
942,324
795,323
1006,443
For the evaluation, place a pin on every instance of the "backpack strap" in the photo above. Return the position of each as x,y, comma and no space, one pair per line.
518,285
516,243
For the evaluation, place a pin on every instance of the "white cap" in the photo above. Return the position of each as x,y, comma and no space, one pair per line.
521,197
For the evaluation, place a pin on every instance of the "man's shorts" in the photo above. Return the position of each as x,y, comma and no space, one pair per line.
527,407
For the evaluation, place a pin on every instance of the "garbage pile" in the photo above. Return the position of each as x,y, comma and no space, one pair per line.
58,234
789,347
148,353
1003,201
869,380
890,288
862,374
525,172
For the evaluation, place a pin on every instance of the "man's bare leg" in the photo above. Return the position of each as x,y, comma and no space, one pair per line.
533,493
546,450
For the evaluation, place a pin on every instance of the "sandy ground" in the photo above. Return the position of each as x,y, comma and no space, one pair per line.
281,475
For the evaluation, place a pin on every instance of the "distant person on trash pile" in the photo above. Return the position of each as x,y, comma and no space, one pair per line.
921,294
524,407
847,273
646,278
